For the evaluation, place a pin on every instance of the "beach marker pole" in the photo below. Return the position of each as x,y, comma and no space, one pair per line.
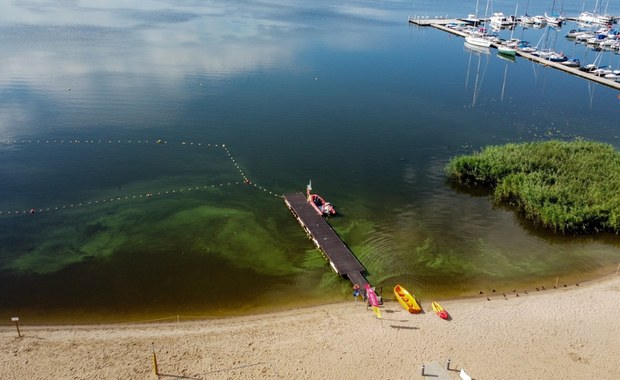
423,371
155,370
448,365
556,281
16,319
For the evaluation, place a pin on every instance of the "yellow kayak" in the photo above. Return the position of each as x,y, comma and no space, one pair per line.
406,300
440,311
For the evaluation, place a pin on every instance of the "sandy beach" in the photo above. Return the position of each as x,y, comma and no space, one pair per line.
571,332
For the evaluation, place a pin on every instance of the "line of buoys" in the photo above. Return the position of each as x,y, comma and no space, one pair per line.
245,181
109,141
116,199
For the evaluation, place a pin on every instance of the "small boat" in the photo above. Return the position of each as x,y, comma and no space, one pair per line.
527,19
572,63
318,203
554,19
478,41
406,300
500,20
539,21
506,50
373,300
440,311
525,47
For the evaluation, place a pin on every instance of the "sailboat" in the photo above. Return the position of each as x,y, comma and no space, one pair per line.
526,19
589,18
507,50
479,38
553,18
478,41
472,18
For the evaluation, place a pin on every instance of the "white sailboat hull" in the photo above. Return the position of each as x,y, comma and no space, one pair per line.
478,41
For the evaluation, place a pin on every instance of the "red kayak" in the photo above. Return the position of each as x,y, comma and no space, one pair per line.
440,311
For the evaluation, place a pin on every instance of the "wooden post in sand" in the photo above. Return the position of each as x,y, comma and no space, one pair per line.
16,319
155,369
557,278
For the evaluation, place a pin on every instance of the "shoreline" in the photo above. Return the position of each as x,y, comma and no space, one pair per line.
554,334
52,318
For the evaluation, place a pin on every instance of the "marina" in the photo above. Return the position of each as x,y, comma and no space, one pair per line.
443,24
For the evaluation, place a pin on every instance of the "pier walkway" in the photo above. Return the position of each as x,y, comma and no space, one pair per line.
340,257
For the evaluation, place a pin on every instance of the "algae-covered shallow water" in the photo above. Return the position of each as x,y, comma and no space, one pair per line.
348,95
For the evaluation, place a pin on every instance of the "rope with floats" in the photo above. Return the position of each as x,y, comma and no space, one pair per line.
147,195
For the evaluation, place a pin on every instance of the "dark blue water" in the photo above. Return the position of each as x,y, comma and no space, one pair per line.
348,95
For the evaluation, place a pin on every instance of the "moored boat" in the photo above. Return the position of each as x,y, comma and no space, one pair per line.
373,299
500,20
318,203
478,41
440,311
505,50
572,63
539,21
406,300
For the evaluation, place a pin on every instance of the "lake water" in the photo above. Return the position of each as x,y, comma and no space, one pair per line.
348,95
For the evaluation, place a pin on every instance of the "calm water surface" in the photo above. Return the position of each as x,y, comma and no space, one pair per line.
348,95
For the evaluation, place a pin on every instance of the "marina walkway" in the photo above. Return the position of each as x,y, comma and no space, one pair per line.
340,257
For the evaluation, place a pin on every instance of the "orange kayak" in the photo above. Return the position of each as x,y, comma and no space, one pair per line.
406,300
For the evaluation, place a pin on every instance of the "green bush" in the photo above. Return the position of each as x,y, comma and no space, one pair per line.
567,186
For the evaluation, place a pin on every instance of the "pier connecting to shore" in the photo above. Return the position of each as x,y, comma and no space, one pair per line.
340,257
440,23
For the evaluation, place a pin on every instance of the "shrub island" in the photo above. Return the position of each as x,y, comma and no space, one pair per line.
567,186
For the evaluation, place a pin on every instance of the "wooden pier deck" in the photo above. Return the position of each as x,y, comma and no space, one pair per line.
340,257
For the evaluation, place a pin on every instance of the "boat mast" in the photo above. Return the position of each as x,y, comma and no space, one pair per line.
527,7
514,26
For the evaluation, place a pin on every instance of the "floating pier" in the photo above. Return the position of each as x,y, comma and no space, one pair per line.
441,25
426,21
340,257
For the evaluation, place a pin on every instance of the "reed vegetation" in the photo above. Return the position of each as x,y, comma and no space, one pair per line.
567,186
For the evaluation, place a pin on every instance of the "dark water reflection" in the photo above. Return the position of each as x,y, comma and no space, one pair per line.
348,95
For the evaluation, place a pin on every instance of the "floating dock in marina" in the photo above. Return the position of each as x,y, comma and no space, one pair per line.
441,25
340,257
426,21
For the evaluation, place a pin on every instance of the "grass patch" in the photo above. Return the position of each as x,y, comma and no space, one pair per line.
567,186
